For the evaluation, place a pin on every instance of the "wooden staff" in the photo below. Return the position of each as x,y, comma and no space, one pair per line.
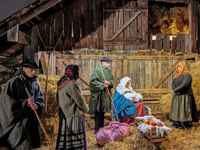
110,96
38,118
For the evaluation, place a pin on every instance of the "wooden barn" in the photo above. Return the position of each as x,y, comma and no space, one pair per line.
144,38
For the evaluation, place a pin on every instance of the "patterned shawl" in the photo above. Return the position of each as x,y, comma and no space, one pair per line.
184,70
71,74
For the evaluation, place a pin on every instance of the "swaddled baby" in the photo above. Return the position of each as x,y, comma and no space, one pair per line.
132,95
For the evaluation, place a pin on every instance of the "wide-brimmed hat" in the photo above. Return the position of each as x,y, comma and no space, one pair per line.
30,63
106,59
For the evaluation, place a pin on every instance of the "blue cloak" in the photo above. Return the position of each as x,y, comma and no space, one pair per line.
124,106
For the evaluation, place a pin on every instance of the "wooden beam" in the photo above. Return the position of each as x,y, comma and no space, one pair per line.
164,90
139,8
13,31
24,38
116,57
43,60
38,11
3,31
126,24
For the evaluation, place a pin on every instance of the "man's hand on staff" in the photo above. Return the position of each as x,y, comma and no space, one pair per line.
106,82
31,103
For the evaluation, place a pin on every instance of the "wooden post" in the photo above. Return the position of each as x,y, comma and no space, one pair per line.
173,47
166,43
178,45
192,24
151,43
159,42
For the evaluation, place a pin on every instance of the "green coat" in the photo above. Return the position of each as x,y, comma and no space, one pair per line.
99,98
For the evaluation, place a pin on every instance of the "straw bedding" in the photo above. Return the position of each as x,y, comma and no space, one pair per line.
177,139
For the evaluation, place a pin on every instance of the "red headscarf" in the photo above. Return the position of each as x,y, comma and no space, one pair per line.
184,70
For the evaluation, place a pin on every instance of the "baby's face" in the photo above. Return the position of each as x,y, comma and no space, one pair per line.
128,84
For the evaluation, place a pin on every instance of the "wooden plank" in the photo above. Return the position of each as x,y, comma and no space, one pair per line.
164,70
125,8
192,24
179,36
188,45
142,74
44,62
145,24
162,79
166,43
24,38
170,77
60,67
98,23
173,47
84,23
132,25
183,36
67,27
126,24
110,29
139,25
127,29
125,70
136,74
58,29
105,23
128,57
151,98
151,102
163,90
13,31
159,42
38,10
157,140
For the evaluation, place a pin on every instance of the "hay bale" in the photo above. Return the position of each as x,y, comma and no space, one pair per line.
165,104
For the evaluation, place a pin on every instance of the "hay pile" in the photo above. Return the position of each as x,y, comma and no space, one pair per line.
182,139
50,119
195,72
165,104
164,12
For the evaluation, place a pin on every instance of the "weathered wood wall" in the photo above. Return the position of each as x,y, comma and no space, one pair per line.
91,24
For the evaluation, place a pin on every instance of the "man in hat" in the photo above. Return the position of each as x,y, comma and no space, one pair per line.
100,101
19,128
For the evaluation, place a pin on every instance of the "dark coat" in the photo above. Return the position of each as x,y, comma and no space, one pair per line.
17,120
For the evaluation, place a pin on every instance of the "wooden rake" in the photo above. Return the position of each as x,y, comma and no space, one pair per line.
38,118
110,96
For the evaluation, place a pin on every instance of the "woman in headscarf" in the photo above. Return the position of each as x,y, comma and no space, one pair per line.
183,108
127,102
72,106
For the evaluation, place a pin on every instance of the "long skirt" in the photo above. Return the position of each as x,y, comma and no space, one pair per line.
72,134
183,109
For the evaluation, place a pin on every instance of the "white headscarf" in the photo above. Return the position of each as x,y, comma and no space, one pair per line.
121,87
